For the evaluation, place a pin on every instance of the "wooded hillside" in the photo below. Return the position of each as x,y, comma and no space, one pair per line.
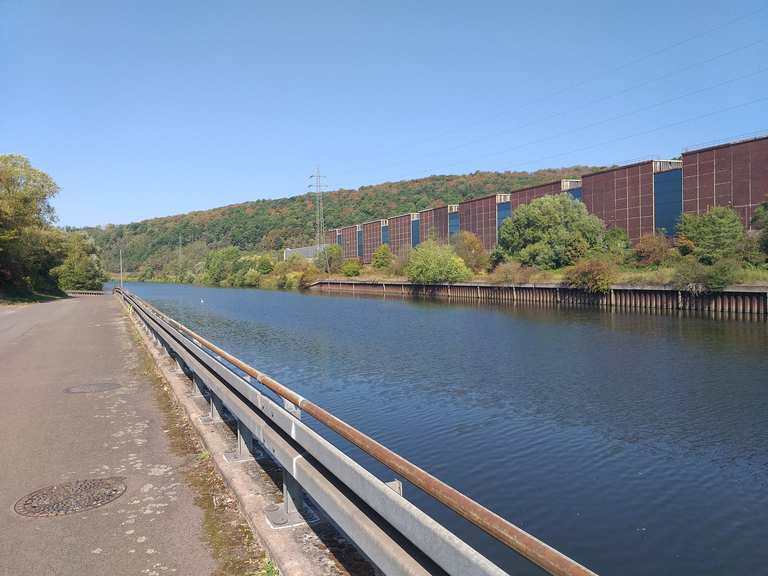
285,222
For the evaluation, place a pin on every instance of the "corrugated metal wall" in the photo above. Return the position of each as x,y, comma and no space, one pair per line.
400,234
371,239
622,197
525,195
349,242
479,217
434,224
730,175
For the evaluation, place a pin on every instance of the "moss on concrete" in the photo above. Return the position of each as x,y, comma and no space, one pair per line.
225,530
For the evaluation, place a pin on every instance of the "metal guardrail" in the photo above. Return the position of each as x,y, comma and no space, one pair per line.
394,534
85,292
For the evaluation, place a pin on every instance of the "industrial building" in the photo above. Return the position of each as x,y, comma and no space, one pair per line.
642,198
734,174
629,197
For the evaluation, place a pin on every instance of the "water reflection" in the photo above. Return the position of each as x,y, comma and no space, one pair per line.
635,442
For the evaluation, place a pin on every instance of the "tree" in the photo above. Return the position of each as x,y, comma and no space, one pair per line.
432,263
330,259
382,258
29,247
265,265
469,248
220,265
760,221
711,236
551,232
81,269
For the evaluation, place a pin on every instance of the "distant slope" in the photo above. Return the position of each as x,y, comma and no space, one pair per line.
274,224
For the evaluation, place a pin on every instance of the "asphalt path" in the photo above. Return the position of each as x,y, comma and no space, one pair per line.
75,405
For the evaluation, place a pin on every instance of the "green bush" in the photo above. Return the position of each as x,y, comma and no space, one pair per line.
497,257
711,236
511,272
760,222
469,248
551,232
252,278
652,250
382,258
616,241
693,276
351,268
265,265
330,259
594,276
432,263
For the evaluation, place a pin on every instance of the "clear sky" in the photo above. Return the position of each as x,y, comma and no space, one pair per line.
142,109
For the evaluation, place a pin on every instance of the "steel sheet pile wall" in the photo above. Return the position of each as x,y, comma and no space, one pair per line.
479,217
622,197
400,235
728,175
371,239
349,242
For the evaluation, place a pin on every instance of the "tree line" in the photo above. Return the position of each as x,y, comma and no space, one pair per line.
35,255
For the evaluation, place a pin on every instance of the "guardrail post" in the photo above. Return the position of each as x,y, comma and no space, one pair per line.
217,411
245,449
288,512
199,388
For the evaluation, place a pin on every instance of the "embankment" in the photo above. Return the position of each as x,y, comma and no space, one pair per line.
740,301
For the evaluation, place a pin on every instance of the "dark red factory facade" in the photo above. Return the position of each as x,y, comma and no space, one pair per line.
479,217
733,175
349,242
642,198
434,224
624,197
526,195
371,239
400,235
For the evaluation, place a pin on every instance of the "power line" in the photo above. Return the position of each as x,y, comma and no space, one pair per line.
585,105
650,131
610,72
623,114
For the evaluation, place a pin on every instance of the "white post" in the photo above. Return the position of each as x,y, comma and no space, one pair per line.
121,269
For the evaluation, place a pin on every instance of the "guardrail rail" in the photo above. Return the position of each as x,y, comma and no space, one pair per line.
390,531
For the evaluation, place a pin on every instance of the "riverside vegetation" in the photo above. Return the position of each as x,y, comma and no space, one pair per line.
552,239
36,258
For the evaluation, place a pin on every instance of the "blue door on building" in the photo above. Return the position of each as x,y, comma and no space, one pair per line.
668,199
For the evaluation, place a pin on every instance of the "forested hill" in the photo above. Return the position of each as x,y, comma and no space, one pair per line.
285,222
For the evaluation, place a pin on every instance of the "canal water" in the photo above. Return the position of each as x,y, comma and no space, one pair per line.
636,444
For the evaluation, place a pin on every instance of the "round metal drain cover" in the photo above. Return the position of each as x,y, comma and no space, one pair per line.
89,388
71,497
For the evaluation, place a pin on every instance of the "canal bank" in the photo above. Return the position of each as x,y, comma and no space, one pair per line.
736,302
633,442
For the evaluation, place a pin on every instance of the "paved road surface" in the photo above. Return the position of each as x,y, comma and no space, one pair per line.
49,436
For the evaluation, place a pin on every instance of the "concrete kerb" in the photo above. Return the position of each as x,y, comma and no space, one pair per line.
285,552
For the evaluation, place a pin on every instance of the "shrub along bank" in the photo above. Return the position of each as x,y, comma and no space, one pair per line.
552,239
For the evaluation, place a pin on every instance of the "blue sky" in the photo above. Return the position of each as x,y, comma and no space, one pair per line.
142,109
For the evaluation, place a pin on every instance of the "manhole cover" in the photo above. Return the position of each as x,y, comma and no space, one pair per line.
89,388
71,497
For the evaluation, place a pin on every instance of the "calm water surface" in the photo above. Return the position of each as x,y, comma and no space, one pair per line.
636,444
